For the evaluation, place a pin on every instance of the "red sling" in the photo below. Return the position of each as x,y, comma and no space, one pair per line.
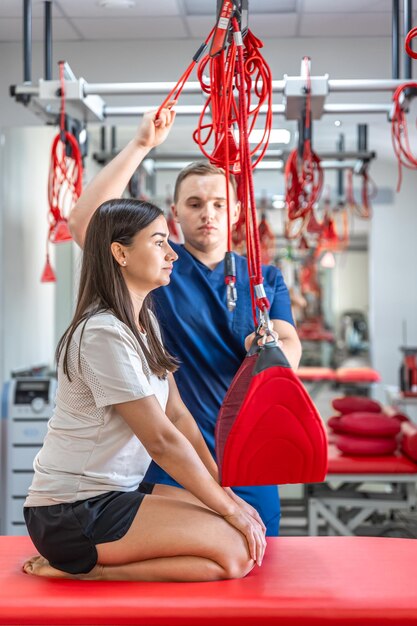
268,430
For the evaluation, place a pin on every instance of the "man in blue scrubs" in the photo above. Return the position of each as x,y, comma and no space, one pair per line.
197,326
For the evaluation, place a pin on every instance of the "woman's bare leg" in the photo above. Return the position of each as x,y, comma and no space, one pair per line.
178,493
169,540
174,540
185,567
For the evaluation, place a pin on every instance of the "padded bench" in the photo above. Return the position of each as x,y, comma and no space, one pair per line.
350,378
304,581
345,500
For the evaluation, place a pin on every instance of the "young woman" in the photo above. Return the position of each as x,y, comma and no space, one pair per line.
117,407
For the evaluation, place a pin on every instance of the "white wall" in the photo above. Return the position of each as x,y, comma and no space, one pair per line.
350,288
28,309
393,273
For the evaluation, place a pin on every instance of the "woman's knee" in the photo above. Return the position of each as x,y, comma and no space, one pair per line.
236,567
236,560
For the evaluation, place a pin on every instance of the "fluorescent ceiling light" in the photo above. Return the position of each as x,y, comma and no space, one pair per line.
278,135
208,7
270,165
116,4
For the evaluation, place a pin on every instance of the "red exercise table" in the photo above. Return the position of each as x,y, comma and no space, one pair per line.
349,496
304,581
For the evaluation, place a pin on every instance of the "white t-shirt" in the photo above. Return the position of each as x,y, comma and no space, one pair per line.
89,449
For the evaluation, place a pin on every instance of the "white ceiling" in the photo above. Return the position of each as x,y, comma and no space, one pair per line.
83,20
86,20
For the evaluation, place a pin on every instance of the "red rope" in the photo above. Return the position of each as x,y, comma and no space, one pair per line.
252,233
232,73
226,101
65,177
256,71
303,182
368,192
399,133
65,172
176,91
411,35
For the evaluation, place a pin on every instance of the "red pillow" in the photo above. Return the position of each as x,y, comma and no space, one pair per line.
334,423
351,404
361,446
368,425
408,441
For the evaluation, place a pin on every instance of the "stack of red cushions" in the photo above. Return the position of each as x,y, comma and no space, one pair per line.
362,429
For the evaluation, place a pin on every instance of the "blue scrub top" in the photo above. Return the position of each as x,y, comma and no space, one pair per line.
208,340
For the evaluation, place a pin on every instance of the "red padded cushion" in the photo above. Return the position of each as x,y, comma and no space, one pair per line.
365,446
268,430
315,373
351,404
357,375
334,424
368,425
408,441
396,463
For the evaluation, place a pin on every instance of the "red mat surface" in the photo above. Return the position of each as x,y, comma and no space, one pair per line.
340,463
304,581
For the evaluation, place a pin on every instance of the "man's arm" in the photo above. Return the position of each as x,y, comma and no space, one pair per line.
291,345
112,180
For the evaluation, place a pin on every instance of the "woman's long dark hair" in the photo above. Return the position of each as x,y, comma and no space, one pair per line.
102,286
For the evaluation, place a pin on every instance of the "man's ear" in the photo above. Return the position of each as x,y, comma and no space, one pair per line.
236,213
174,212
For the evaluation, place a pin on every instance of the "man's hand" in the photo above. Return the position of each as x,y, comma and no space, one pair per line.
152,132
272,337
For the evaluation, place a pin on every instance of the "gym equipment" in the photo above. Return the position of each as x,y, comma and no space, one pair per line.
27,405
268,430
408,372
65,182
366,424
365,446
352,404
346,499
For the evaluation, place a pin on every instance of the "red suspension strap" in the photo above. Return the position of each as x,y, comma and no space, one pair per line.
235,67
64,183
411,35
225,115
303,183
399,132
350,196
252,232
369,190
177,89
238,67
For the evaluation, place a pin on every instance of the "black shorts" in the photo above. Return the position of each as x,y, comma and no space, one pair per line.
67,534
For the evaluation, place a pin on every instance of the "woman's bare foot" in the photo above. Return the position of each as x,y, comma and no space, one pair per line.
39,566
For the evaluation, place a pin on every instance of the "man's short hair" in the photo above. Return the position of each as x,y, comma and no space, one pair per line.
201,168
